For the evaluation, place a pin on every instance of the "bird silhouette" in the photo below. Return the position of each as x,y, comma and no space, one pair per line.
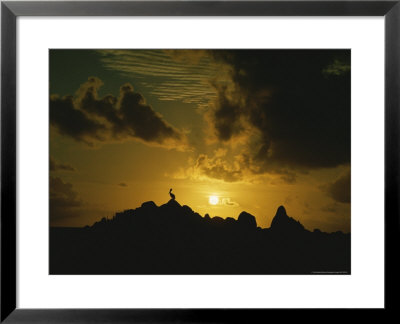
171,194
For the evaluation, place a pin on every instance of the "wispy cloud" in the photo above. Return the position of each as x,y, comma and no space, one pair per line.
176,75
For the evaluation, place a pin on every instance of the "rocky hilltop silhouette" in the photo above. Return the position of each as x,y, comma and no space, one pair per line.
173,239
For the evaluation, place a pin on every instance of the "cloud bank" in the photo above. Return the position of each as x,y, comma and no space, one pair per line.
291,106
90,119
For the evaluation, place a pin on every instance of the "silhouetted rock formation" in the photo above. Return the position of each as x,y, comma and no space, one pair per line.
173,239
247,220
172,203
150,205
285,224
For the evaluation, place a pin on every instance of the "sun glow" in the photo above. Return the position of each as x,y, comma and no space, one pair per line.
213,200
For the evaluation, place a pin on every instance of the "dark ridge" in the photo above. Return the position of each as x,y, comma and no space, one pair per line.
173,239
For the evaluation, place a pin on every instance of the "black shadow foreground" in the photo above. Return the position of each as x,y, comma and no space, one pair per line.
173,239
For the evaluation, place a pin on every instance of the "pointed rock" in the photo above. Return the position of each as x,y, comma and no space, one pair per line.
282,222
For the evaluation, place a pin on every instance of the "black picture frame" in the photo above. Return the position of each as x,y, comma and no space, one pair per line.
9,13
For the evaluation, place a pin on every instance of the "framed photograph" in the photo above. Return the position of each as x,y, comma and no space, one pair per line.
163,159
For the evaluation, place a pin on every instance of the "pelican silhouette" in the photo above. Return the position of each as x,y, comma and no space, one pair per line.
171,194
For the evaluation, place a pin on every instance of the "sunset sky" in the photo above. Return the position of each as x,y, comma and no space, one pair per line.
255,129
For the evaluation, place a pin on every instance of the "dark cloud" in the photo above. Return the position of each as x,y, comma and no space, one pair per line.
227,117
294,106
58,166
122,184
90,119
64,201
73,122
340,190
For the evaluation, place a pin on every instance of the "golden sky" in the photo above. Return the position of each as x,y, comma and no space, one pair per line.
255,128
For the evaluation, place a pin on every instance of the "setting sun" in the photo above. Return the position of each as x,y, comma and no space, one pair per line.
213,200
